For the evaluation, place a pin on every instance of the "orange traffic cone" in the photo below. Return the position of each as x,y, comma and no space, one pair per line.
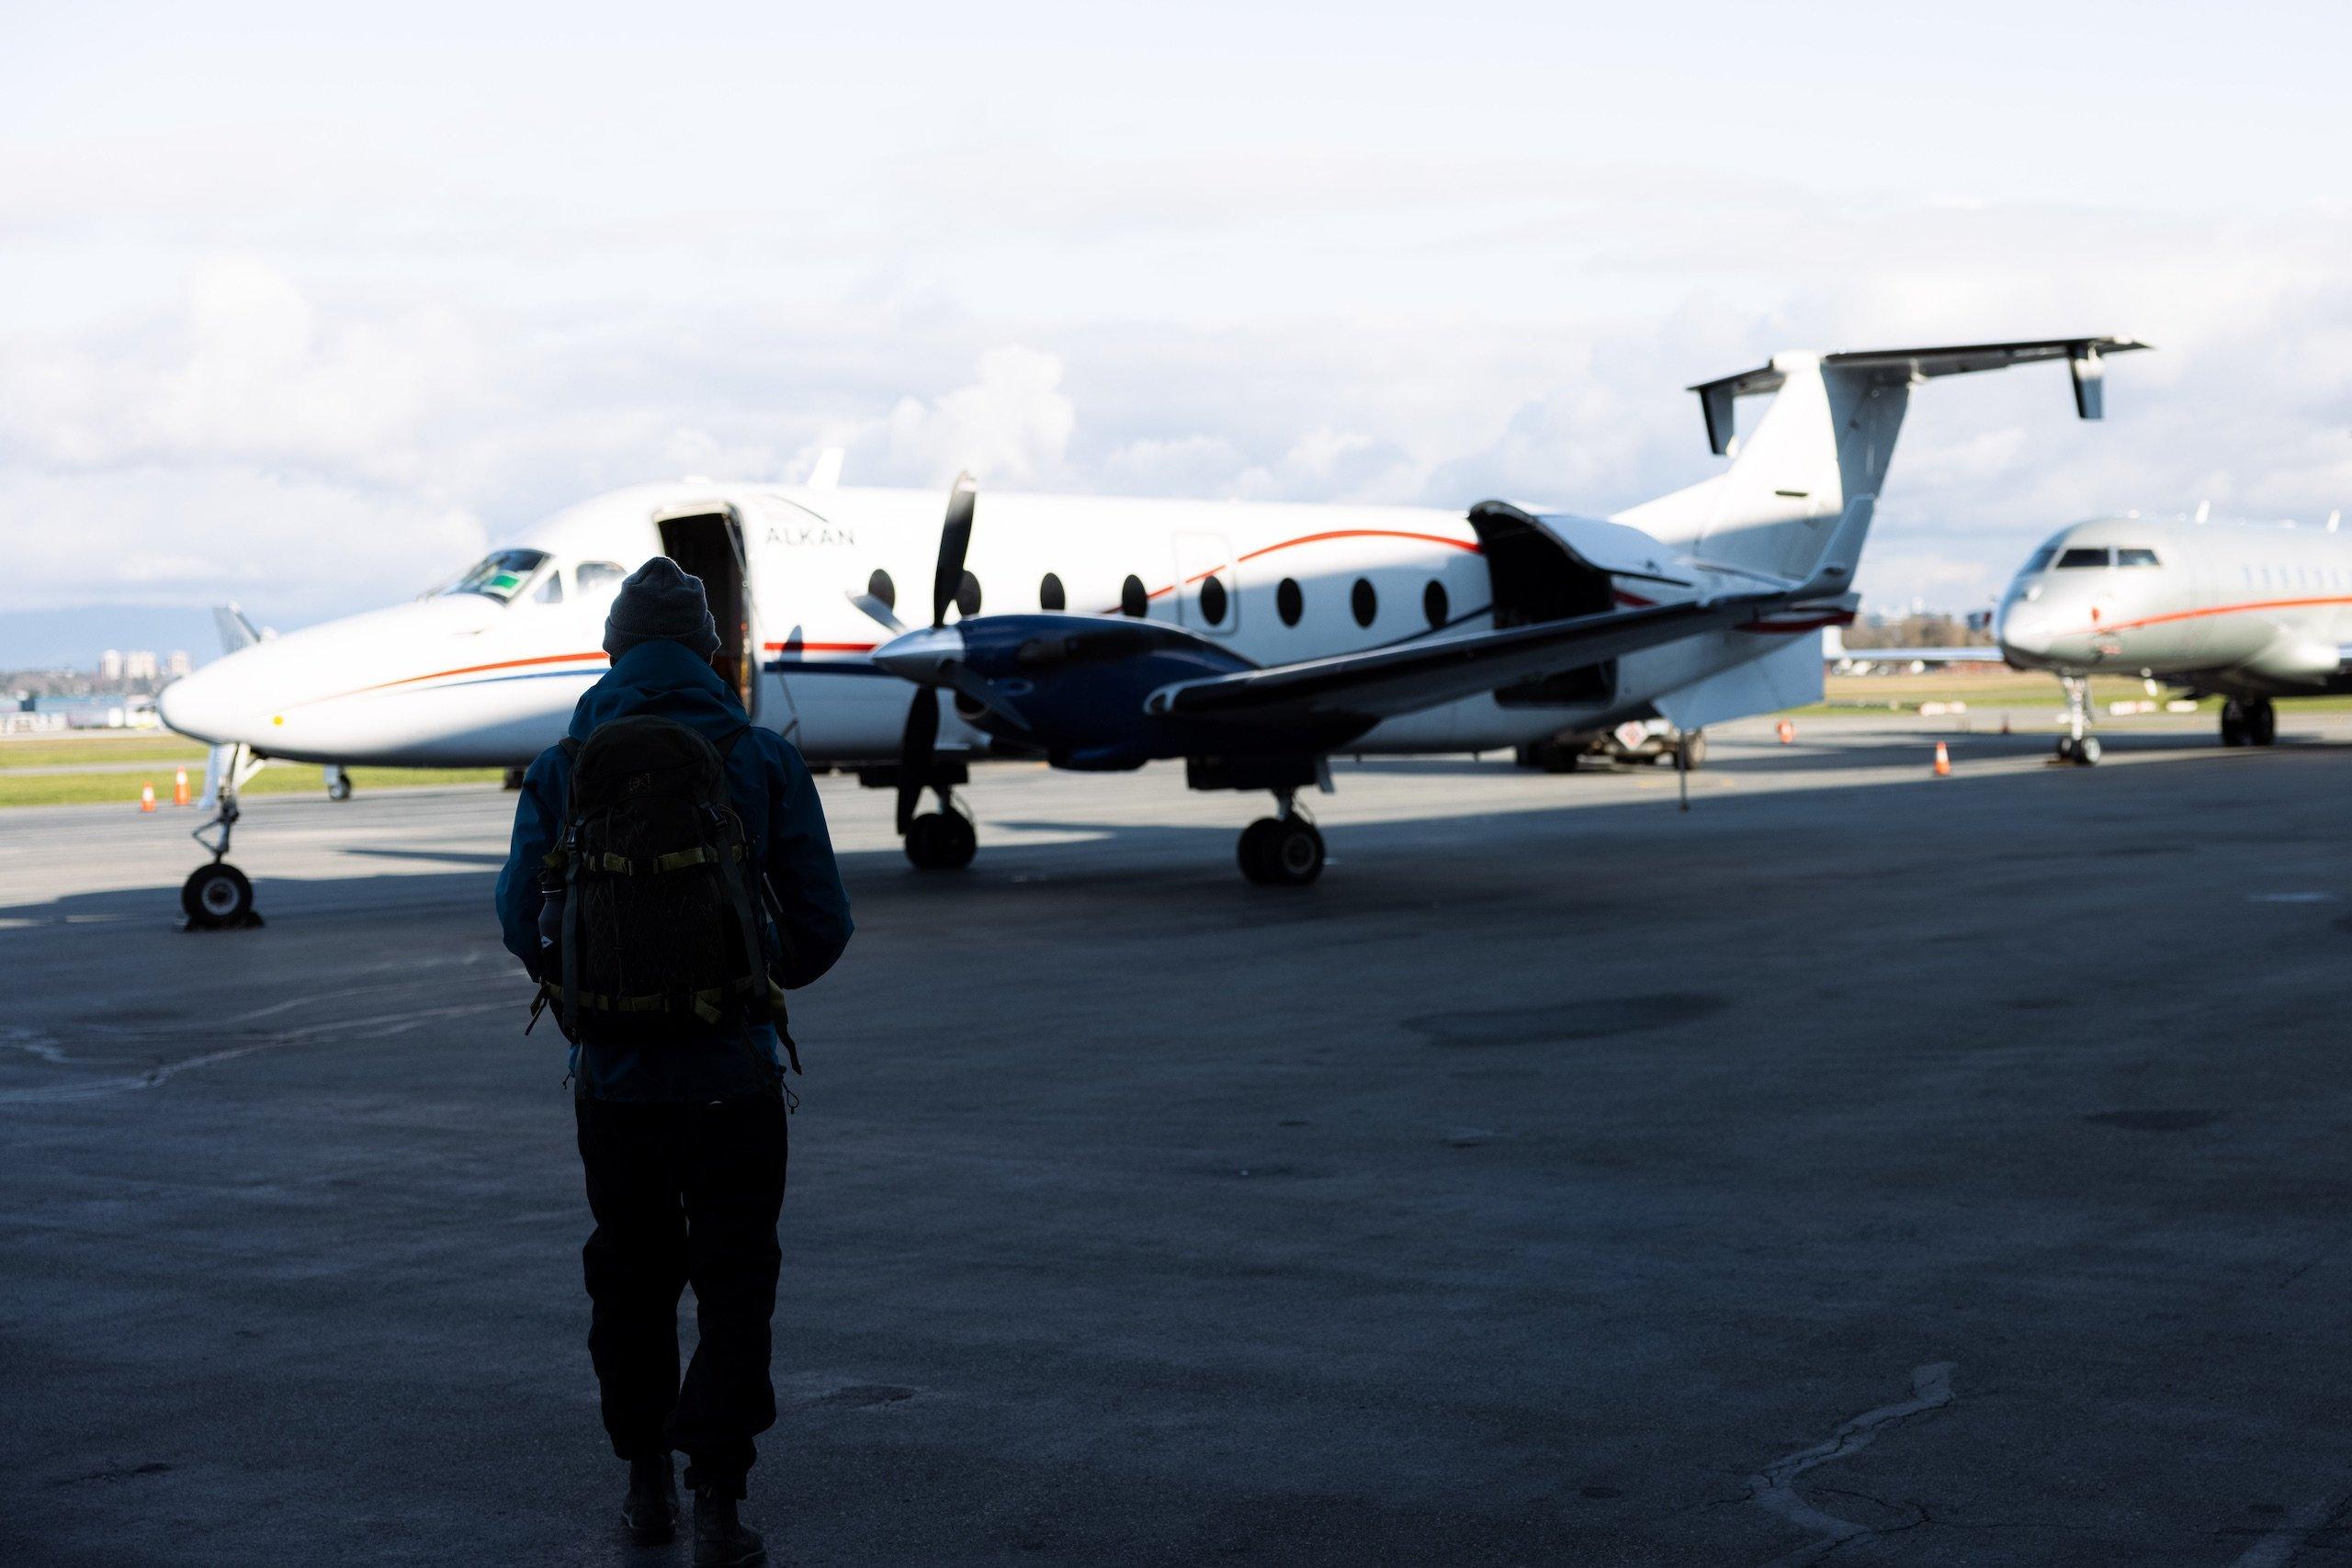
1786,731
1943,761
179,788
147,796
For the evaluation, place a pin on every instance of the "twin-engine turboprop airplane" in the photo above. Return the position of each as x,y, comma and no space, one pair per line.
1252,641
2247,611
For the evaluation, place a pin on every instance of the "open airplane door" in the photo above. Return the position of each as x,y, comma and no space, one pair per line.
706,539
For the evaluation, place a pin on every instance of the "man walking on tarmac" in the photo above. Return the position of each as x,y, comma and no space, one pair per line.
670,875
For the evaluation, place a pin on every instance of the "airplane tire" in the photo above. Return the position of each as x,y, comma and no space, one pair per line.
2066,748
2261,724
1287,854
2086,754
1694,751
942,841
1251,850
339,790
216,895
2232,724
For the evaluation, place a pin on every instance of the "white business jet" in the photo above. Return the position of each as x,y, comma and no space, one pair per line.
2247,611
1252,641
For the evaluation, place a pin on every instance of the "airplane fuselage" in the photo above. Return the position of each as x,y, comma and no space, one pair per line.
487,670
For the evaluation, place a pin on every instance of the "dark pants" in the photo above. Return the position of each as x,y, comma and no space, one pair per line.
685,1193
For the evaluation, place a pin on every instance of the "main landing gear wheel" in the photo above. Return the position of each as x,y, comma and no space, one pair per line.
2083,752
218,896
942,841
338,784
2254,723
1282,852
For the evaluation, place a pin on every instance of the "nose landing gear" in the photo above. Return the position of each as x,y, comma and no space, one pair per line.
2075,746
219,896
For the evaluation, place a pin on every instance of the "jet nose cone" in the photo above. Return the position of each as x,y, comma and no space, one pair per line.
2023,631
202,705
919,655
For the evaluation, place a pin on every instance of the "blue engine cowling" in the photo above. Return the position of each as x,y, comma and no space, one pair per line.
1080,682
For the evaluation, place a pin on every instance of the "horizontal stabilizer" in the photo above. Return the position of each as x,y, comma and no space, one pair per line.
1905,366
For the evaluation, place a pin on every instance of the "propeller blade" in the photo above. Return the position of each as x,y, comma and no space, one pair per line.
878,611
914,753
954,540
983,692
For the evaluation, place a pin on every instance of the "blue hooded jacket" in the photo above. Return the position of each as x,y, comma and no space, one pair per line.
777,801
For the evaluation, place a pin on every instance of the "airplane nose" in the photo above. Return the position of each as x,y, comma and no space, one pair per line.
203,707
919,655
2023,629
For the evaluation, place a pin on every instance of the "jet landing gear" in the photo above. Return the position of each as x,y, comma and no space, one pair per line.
2075,746
2250,723
1282,851
338,781
944,839
219,896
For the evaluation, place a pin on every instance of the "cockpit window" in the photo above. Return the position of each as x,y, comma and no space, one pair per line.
2126,556
2081,557
2041,561
501,576
592,577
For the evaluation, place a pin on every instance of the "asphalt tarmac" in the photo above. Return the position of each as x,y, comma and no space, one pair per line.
1862,1166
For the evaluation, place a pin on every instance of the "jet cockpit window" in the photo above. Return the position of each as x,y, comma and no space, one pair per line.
2079,556
2041,561
2126,556
501,576
594,577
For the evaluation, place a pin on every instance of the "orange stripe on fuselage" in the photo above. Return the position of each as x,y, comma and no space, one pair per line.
2098,629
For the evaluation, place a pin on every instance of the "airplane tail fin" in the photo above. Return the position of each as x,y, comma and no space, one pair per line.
1795,504
236,630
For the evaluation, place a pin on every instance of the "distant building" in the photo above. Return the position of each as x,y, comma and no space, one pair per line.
111,664
178,664
139,664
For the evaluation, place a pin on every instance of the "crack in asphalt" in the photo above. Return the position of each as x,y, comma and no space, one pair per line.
1774,1486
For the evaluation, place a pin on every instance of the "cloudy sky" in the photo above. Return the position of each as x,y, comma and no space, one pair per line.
301,309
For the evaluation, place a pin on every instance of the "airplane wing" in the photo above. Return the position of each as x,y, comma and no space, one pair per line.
1384,681
1986,655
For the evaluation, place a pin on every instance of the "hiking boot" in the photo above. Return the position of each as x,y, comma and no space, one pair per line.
650,1509
720,1539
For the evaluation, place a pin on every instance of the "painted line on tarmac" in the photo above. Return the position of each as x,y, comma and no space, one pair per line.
1774,1486
378,1027
2277,1549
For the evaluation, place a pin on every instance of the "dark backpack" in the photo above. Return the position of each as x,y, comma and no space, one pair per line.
660,934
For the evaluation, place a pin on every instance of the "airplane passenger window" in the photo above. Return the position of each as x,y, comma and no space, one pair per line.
597,577
1289,602
2080,556
1132,601
1050,595
1433,604
1363,602
501,576
1213,605
2128,557
551,591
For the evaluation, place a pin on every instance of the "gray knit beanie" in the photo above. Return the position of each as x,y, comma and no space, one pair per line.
660,601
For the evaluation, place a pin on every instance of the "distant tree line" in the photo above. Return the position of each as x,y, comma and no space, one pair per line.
1932,629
